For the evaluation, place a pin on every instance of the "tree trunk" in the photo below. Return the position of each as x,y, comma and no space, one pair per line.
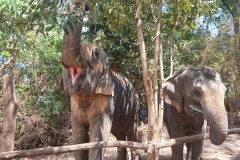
155,111
171,37
158,63
234,9
160,106
9,115
236,26
146,80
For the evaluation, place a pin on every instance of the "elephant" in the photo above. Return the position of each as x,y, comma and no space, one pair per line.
191,96
102,101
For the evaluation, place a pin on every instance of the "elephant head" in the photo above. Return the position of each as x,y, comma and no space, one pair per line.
193,89
85,67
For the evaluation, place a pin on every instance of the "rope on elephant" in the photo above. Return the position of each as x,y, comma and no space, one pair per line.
93,145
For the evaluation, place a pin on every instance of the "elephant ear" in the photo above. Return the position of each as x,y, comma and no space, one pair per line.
172,90
105,84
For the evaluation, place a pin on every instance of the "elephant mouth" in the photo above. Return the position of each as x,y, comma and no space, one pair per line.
75,72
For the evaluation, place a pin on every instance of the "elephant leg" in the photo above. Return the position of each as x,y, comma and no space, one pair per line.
177,152
197,148
194,149
189,151
80,135
175,126
99,130
133,136
122,152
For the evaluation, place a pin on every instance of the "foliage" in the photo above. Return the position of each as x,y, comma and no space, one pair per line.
39,77
31,33
28,31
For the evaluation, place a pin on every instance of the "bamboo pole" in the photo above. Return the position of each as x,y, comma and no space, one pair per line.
125,144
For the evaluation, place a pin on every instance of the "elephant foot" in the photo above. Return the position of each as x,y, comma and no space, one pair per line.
135,155
122,154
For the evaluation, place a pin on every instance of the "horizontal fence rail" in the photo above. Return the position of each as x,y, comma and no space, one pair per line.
148,146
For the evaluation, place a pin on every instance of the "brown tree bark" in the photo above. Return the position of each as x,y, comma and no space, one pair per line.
160,106
146,79
9,115
154,98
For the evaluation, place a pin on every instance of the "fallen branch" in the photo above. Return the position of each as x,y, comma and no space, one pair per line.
94,145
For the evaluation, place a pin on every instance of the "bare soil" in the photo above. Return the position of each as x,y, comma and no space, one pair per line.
229,150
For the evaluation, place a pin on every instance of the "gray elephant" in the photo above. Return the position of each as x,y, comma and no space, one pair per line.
102,101
185,94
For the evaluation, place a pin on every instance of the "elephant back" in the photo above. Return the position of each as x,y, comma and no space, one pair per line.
126,102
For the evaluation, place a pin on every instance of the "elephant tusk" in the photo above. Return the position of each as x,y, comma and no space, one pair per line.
79,58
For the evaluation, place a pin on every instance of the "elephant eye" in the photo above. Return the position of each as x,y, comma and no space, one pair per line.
197,93
95,55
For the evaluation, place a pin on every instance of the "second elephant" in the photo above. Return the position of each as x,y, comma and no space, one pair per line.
185,94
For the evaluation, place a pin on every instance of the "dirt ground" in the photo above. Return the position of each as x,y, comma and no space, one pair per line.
229,150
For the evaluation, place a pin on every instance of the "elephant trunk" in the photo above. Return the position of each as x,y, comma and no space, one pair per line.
216,116
72,48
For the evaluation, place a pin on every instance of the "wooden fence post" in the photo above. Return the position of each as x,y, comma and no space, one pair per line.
9,114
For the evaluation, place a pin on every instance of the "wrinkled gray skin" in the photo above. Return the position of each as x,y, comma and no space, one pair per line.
102,101
189,88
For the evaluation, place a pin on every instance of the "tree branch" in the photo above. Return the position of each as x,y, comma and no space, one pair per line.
4,65
179,13
228,7
142,46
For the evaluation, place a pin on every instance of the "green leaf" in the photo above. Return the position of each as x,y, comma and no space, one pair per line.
196,108
6,54
49,28
2,6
